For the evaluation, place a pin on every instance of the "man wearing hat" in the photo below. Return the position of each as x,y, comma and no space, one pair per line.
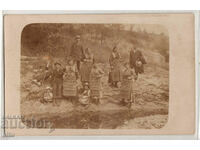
76,52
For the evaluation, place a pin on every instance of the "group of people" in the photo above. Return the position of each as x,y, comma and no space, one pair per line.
124,76
81,66
80,77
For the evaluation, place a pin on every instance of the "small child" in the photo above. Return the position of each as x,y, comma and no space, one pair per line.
48,95
96,71
57,82
71,69
96,84
84,97
128,81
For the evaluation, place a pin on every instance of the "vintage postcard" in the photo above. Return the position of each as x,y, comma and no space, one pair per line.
102,74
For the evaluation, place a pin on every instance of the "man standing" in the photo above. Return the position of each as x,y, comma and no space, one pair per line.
76,52
137,61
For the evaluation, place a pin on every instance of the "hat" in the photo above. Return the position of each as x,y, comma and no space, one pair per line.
78,37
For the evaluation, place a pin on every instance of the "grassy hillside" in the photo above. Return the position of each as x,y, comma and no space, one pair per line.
56,40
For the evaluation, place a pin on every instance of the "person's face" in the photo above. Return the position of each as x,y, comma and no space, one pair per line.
77,41
58,66
86,87
88,51
126,66
70,62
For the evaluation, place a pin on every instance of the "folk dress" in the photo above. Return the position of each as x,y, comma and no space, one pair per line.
115,74
96,83
127,84
48,96
84,98
69,81
86,67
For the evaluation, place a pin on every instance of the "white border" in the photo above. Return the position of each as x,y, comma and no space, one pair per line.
136,137
63,12
1,75
197,71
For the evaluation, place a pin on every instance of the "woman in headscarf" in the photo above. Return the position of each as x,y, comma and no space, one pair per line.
115,73
86,66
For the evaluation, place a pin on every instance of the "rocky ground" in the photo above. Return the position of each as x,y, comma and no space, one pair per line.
149,111
148,122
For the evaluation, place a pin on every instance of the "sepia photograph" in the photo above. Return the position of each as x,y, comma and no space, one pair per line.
95,76
105,74
85,72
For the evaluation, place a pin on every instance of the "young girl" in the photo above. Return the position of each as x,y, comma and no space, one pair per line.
57,82
96,83
127,85
71,69
70,80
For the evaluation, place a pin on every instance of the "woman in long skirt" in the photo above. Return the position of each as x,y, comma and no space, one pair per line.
86,66
115,72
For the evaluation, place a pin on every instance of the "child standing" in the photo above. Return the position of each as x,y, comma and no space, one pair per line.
70,80
57,82
96,83
127,85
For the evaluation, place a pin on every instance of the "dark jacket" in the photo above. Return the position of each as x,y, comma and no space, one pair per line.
135,56
57,76
76,52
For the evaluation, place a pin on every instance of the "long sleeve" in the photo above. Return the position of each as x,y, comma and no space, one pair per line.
71,50
111,60
101,71
82,53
